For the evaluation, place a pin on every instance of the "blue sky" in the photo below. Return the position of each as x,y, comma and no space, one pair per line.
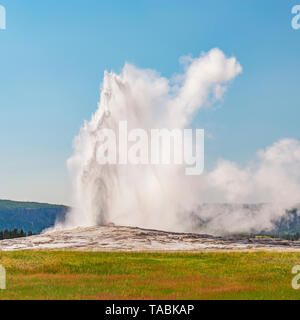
53,55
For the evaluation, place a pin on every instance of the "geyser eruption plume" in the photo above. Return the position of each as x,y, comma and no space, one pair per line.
145,196
162,197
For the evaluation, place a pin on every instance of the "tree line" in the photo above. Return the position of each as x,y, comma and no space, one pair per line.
12,234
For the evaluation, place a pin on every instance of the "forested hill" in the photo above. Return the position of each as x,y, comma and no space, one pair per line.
29,216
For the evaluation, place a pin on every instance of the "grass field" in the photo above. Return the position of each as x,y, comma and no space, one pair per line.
84,275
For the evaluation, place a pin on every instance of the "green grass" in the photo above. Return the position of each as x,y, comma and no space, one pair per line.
87,275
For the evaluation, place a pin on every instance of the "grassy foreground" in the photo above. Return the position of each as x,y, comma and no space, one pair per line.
86,275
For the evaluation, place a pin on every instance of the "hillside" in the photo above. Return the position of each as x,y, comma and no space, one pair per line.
29,216
289,224
35,217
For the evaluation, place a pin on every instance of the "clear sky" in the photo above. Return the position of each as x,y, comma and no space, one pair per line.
54,52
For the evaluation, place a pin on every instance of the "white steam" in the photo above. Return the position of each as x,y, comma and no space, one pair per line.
163,197
272,182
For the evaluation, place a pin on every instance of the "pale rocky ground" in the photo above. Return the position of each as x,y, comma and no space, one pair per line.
111,238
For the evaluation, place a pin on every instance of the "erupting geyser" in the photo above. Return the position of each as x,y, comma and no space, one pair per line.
163,197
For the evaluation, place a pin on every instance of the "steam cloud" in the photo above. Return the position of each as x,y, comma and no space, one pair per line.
162,197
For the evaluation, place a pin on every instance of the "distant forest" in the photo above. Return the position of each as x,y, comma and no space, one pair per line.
29,216
7,234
